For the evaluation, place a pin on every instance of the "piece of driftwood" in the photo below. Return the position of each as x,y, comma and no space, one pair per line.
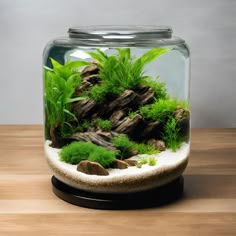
128,125
117,117
125,99
94,138
84,108
55,134
153,129
145,94
90,70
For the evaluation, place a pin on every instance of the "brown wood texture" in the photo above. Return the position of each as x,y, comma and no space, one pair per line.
28,206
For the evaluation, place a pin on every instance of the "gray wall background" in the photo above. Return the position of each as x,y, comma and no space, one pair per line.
209,27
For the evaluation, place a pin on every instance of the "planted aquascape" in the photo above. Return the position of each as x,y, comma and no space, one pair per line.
102,113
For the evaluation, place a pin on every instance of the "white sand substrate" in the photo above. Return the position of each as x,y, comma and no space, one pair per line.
169,166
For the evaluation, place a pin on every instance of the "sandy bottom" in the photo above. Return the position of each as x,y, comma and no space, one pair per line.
169,166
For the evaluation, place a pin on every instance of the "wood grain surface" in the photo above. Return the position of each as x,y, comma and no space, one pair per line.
28,206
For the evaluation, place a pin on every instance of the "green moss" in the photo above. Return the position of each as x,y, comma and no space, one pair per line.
75,152
158,87
152,161
132,114
160,110
171,134
105,125
121,71
102,156
124,144
145,148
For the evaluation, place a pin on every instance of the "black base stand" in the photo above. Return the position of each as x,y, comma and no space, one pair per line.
145,199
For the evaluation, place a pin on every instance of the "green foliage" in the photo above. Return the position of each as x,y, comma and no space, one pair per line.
104,124
152,161
124,144
59,87
120,72
158,87
160,110
102,156
82,126
132,114
146,148
76,152
171,134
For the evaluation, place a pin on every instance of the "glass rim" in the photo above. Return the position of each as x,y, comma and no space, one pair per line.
120,32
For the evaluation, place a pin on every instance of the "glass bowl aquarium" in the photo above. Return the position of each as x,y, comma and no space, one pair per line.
117,117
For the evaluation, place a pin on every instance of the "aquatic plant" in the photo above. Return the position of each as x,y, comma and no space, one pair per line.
132,114
76,152
104,125
158,87
171,134
120,72
59,87
152,161
146,148
161,109
124,144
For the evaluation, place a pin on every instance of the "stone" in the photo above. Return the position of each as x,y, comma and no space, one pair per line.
131,162
159,144
91,168
119,164
131,152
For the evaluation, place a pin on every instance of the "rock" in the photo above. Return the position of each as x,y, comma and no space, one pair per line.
90,70
131,152
91,168
118,164
131,162
159,144
84,108
181,113
95,138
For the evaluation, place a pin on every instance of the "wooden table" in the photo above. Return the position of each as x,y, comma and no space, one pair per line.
28,206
